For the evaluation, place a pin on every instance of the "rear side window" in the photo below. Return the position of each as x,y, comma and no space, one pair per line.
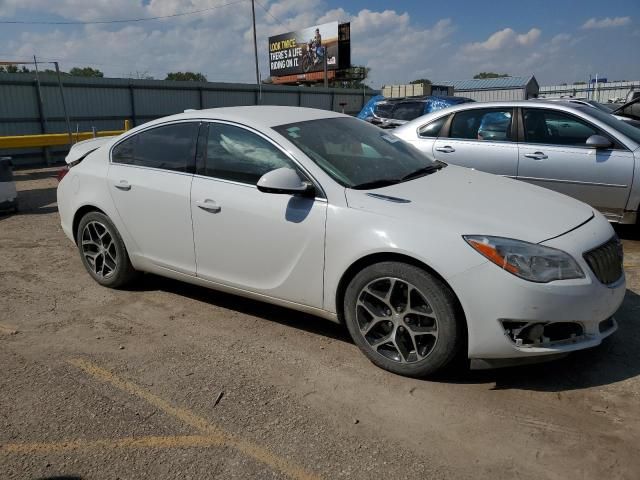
169,147
236,154
482,124
432,130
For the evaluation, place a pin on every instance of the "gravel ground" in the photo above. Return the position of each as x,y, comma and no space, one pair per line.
168,380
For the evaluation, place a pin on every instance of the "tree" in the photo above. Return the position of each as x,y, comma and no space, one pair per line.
85,72
483,75
579,83
421,80
186,77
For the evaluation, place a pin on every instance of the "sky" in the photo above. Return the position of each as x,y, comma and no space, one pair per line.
557,41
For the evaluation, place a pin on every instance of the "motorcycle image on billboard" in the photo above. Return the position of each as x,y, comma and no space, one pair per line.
304,51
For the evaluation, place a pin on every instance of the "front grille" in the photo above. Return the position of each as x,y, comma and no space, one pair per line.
606,261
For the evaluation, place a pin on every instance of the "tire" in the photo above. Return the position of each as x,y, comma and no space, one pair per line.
415,331
103,252
306,64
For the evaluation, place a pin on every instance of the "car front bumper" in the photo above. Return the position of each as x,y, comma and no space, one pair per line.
492,298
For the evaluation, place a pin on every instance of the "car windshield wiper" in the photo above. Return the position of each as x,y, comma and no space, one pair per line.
376,184
422,172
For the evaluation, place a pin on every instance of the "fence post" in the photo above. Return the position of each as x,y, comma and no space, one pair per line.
132,101
43,120
201,97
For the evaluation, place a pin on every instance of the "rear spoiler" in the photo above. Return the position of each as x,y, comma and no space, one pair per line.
81,149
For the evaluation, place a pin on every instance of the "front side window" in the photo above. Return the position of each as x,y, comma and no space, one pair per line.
357,154
169,147
482,124
555,128
236,154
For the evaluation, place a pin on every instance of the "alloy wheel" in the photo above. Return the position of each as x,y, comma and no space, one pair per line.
396,320
99,249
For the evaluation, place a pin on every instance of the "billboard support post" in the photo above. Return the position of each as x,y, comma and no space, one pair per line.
326,74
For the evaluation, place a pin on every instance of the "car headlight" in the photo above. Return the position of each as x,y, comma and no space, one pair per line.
529,261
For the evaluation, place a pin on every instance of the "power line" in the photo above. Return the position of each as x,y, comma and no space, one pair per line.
270,14
129,20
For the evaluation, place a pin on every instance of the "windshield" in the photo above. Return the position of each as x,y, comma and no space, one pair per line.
627,130
357,154
599,106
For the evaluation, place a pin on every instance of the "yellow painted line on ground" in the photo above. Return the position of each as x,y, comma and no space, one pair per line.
132,442
211,431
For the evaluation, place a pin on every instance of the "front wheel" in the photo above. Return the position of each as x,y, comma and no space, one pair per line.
103,252
403,318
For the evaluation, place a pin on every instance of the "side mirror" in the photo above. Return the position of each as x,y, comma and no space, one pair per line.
598,141
284,180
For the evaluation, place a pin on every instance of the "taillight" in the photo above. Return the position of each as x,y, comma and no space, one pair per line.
62,172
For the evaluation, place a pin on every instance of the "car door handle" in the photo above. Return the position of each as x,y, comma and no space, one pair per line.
209,206
536,155
446,149
123,185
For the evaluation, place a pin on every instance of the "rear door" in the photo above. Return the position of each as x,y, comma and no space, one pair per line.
480,138
554,155
150,183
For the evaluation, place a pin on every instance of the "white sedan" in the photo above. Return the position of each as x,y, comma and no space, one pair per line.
324,213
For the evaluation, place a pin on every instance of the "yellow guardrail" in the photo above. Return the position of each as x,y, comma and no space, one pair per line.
55,139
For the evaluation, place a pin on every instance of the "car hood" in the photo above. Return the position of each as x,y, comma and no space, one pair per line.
470,202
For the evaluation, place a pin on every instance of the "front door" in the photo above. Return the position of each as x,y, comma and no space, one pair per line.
150,183
271,244
554,155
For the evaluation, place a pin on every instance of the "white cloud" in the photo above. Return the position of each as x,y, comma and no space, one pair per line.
219,43
607,22
505,38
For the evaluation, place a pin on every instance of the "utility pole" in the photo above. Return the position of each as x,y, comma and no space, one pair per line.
255,42
64,104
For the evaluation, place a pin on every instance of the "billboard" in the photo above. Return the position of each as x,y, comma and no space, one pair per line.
304,51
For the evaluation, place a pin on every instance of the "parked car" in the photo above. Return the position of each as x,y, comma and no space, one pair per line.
629,112
8,194
393,112
324,213
573,149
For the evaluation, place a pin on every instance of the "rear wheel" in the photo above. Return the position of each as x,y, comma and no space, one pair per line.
404,319
103,252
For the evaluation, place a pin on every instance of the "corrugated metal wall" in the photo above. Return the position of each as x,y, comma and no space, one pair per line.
104,103
603,93
492,95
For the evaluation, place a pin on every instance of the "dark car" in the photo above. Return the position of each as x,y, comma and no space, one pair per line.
393,112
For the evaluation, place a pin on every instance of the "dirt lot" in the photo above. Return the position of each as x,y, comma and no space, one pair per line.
173,381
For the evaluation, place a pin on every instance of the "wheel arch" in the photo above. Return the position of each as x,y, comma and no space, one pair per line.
81,212
379,257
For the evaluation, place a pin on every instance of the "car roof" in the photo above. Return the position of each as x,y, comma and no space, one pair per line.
258,116
570,107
